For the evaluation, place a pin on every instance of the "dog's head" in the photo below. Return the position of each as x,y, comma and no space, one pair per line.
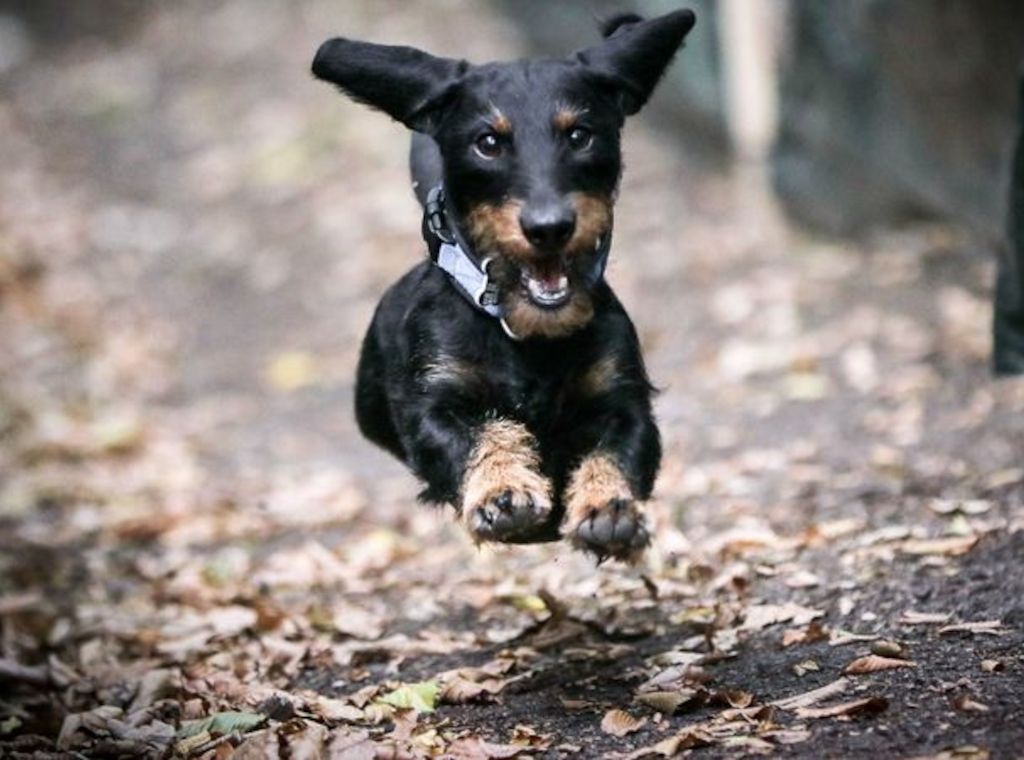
530,150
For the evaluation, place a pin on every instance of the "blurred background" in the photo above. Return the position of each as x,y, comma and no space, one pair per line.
813,204
194,234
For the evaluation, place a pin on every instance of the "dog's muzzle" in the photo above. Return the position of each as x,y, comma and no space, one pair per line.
546,284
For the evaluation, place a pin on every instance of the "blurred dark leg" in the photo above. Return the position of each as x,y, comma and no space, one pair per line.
1008,353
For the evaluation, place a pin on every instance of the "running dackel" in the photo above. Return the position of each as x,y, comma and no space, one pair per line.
503,370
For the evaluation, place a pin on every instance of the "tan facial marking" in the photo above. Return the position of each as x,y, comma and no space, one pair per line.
500,122
495,230
526,320
505,458
567,116
593,219
565,119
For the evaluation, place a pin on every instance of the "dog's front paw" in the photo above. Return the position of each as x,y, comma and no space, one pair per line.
511,514
504,496
616,528
603,518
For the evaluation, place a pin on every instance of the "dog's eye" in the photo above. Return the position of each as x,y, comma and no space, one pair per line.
488,145
580,138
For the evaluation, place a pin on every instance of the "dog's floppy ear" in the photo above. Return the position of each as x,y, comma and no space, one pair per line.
407,84
636,54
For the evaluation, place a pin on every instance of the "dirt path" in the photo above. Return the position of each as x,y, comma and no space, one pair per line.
193,235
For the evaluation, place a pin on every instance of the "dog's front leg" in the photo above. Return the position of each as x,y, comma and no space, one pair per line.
504,496
614,473
490,470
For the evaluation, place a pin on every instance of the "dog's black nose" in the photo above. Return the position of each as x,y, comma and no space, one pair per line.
549,226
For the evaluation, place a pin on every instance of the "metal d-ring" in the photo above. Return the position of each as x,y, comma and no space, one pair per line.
508,330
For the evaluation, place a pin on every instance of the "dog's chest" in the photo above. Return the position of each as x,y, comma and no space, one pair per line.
536,388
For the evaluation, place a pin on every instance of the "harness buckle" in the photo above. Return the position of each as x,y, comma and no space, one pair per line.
435,216
489,294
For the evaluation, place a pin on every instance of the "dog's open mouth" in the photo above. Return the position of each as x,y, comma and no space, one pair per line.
546,284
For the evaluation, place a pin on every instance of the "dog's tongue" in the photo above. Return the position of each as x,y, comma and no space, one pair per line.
552,280
548,275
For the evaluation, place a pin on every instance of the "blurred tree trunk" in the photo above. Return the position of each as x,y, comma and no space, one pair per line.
896,109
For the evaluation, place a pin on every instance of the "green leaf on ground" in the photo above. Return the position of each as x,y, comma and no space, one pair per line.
221,723
421,697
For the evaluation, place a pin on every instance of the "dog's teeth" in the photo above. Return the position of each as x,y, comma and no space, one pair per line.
544,293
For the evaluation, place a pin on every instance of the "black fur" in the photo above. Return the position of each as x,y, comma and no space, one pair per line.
433,369
431,428
619,22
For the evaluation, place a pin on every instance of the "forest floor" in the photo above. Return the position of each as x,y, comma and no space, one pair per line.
199,555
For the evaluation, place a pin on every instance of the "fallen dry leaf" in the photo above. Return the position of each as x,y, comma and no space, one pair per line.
751,745
815,631
575,704
971,507
887,648
358,623
689,738
152,738
476,748
802,579
261,745
814,696
669,702
839,637
528,737
336,709
620,723
964,703
807,666
758,616
865,706
675,677
910,617
986,627
458,690
949,547
351,745
793,636
872,663
303,740
735,698
787,736
1003,478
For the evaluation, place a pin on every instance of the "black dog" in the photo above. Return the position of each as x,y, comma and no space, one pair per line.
504,371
